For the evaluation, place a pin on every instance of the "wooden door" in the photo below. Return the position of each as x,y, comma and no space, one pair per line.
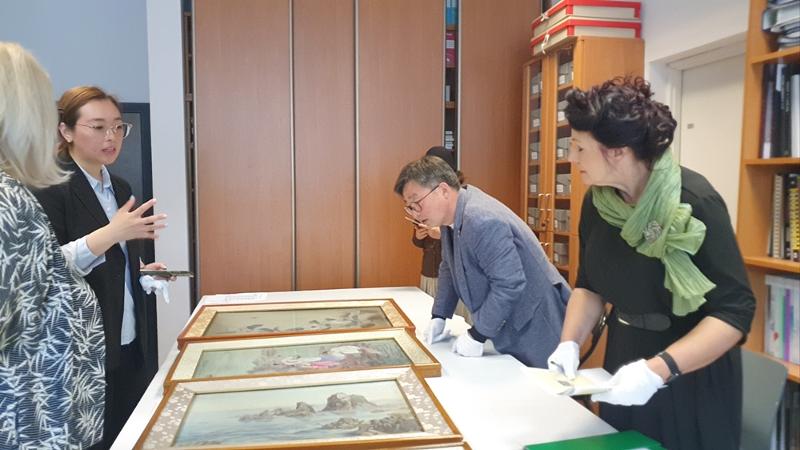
243,148
400,91
324,111
494,40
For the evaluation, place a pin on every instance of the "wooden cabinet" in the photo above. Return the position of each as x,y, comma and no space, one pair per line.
756,177
552,190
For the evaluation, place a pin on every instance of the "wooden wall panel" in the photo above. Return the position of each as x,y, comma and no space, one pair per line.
243,145
324,78
400,77
494,46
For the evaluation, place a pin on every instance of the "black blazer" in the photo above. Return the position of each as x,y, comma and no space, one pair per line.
74,212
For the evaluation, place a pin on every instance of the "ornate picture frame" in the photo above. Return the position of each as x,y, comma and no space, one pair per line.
236,321
290,355
354,409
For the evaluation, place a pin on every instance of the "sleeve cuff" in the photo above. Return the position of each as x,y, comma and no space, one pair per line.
476,335
84,259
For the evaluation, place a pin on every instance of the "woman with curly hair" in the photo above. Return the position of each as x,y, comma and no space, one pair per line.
656,242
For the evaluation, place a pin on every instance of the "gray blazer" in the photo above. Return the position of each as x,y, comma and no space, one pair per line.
492,261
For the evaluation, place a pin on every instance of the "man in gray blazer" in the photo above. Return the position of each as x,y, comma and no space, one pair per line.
492,261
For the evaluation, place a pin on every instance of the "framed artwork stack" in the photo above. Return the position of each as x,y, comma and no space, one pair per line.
324,374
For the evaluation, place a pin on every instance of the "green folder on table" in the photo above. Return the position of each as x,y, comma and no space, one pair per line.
625,440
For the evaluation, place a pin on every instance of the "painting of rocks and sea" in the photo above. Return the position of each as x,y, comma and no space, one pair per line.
348,410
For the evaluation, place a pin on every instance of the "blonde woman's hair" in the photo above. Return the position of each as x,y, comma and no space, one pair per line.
28,119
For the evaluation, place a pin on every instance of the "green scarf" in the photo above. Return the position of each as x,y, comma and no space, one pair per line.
660,209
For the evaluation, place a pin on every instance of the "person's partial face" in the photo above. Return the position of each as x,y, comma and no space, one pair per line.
97,135
589,157
424,204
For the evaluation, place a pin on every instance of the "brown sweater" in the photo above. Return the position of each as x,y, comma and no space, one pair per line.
431,255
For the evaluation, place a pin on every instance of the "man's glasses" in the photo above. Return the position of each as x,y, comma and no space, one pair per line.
416,207
119,129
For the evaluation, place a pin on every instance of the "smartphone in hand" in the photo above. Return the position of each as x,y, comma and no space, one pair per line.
167,273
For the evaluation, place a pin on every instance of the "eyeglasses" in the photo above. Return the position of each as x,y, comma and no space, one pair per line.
123,129
416,207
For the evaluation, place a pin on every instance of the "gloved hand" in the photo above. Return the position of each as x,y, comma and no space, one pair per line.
436,332
151,284
466,346
565,359
633,384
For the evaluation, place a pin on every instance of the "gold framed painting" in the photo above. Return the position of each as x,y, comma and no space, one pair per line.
319,352
290,318
357,409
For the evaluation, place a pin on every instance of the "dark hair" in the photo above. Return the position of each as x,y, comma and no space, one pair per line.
620,113
428,171
449,156
72,101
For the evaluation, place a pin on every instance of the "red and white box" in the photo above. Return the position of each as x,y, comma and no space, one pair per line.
567,18
585,27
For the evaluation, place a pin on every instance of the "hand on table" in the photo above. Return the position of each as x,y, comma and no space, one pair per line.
465,345
436,331
565,359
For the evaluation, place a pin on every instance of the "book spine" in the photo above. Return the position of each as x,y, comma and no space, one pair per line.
450,49
794,335
777,216
794,92
793,206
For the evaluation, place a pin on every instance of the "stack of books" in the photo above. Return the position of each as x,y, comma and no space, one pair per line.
782,17
567,18
780,135
782,330
784,238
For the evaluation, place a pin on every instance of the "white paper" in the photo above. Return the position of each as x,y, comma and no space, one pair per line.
587,381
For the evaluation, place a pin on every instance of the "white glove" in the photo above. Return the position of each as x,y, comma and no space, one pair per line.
466,346
150,285
436,332
633,384
565,359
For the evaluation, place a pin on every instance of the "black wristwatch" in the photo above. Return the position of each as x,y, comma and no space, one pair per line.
674,371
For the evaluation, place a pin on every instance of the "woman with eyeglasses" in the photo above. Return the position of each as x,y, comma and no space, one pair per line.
51,330
101,233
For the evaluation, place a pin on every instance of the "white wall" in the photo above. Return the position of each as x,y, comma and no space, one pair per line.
676,29
688,35
102,42
164,44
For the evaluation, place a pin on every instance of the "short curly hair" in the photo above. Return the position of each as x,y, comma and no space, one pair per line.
621,113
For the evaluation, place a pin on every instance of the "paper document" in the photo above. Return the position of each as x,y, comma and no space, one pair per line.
588,381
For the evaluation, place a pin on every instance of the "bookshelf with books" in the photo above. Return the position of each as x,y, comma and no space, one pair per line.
451,79
767,223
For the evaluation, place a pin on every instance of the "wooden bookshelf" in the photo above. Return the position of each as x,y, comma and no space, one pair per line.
451,81
756,175
594,60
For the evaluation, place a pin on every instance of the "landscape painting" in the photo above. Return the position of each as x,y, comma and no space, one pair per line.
325,412
369,408
304,353
297,320
299,358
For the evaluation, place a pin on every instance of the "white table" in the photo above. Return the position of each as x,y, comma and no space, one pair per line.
490,399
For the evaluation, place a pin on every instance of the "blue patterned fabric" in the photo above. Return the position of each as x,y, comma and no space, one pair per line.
52,350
